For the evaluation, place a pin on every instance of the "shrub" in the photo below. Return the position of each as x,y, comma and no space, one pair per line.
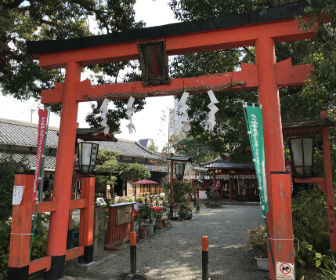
7,172
214,194
181,191
258,241
310,226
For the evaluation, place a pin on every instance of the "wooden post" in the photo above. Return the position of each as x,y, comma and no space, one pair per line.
133,251
283,238
171,200
57,238
87,218
205,257
230,187
19,248
194,185
273,138
329,189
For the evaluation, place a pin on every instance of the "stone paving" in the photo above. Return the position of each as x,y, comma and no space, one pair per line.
175,252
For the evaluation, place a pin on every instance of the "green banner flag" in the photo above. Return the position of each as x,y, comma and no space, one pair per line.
253,117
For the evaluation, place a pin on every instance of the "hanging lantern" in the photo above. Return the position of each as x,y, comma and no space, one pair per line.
301,151
86,156
201,176
179,170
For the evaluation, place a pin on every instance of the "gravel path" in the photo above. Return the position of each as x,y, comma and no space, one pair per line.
175,252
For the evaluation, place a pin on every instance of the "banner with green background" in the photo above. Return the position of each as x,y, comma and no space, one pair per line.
254,122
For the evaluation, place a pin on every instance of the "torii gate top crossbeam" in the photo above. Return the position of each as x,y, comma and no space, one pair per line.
219,33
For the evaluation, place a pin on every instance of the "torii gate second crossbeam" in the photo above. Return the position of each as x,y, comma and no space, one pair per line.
259,29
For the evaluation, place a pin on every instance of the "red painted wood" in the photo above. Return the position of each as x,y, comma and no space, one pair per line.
329,189
57,237
314,180
282,233
40,264
88,193
285,30
45,206
270,101
74,253
78,203
287,75
118,234
230,189
19,247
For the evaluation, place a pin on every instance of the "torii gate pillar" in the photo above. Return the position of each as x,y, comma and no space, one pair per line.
279,191
57,238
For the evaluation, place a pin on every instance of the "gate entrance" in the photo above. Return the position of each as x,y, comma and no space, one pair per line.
259,29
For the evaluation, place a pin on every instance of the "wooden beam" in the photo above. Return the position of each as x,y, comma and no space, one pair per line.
281,31
40,264
45,206
312,180
78,203
74,253
287,75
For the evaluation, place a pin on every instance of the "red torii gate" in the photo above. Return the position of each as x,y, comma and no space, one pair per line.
262,30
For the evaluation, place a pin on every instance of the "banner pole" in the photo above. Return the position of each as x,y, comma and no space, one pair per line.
41,173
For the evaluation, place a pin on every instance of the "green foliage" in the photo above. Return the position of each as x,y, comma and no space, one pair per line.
140,199
195,148
229,135
310,218
39,244
310,225
107,165
328,267
214,194
7,172
185,209
135,172
181,191
258,241
20,74
4,246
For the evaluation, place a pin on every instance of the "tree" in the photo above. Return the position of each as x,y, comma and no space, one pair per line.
194,148
106,168
21,20
135,172
8,167
229,134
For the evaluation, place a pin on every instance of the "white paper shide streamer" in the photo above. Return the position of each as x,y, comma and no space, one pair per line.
183,107
130,111
211,120
103,113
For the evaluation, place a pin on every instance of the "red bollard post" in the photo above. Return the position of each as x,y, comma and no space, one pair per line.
133,251
205,262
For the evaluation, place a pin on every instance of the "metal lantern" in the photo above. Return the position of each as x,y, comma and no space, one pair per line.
301,150
179,170
86,156
201,176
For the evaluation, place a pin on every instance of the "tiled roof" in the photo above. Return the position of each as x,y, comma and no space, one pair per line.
226,164
128,148
24,134
29,160
18,134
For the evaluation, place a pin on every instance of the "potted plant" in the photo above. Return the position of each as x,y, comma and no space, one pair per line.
214,199
185,210
258,246
146,216
158,217
142,230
